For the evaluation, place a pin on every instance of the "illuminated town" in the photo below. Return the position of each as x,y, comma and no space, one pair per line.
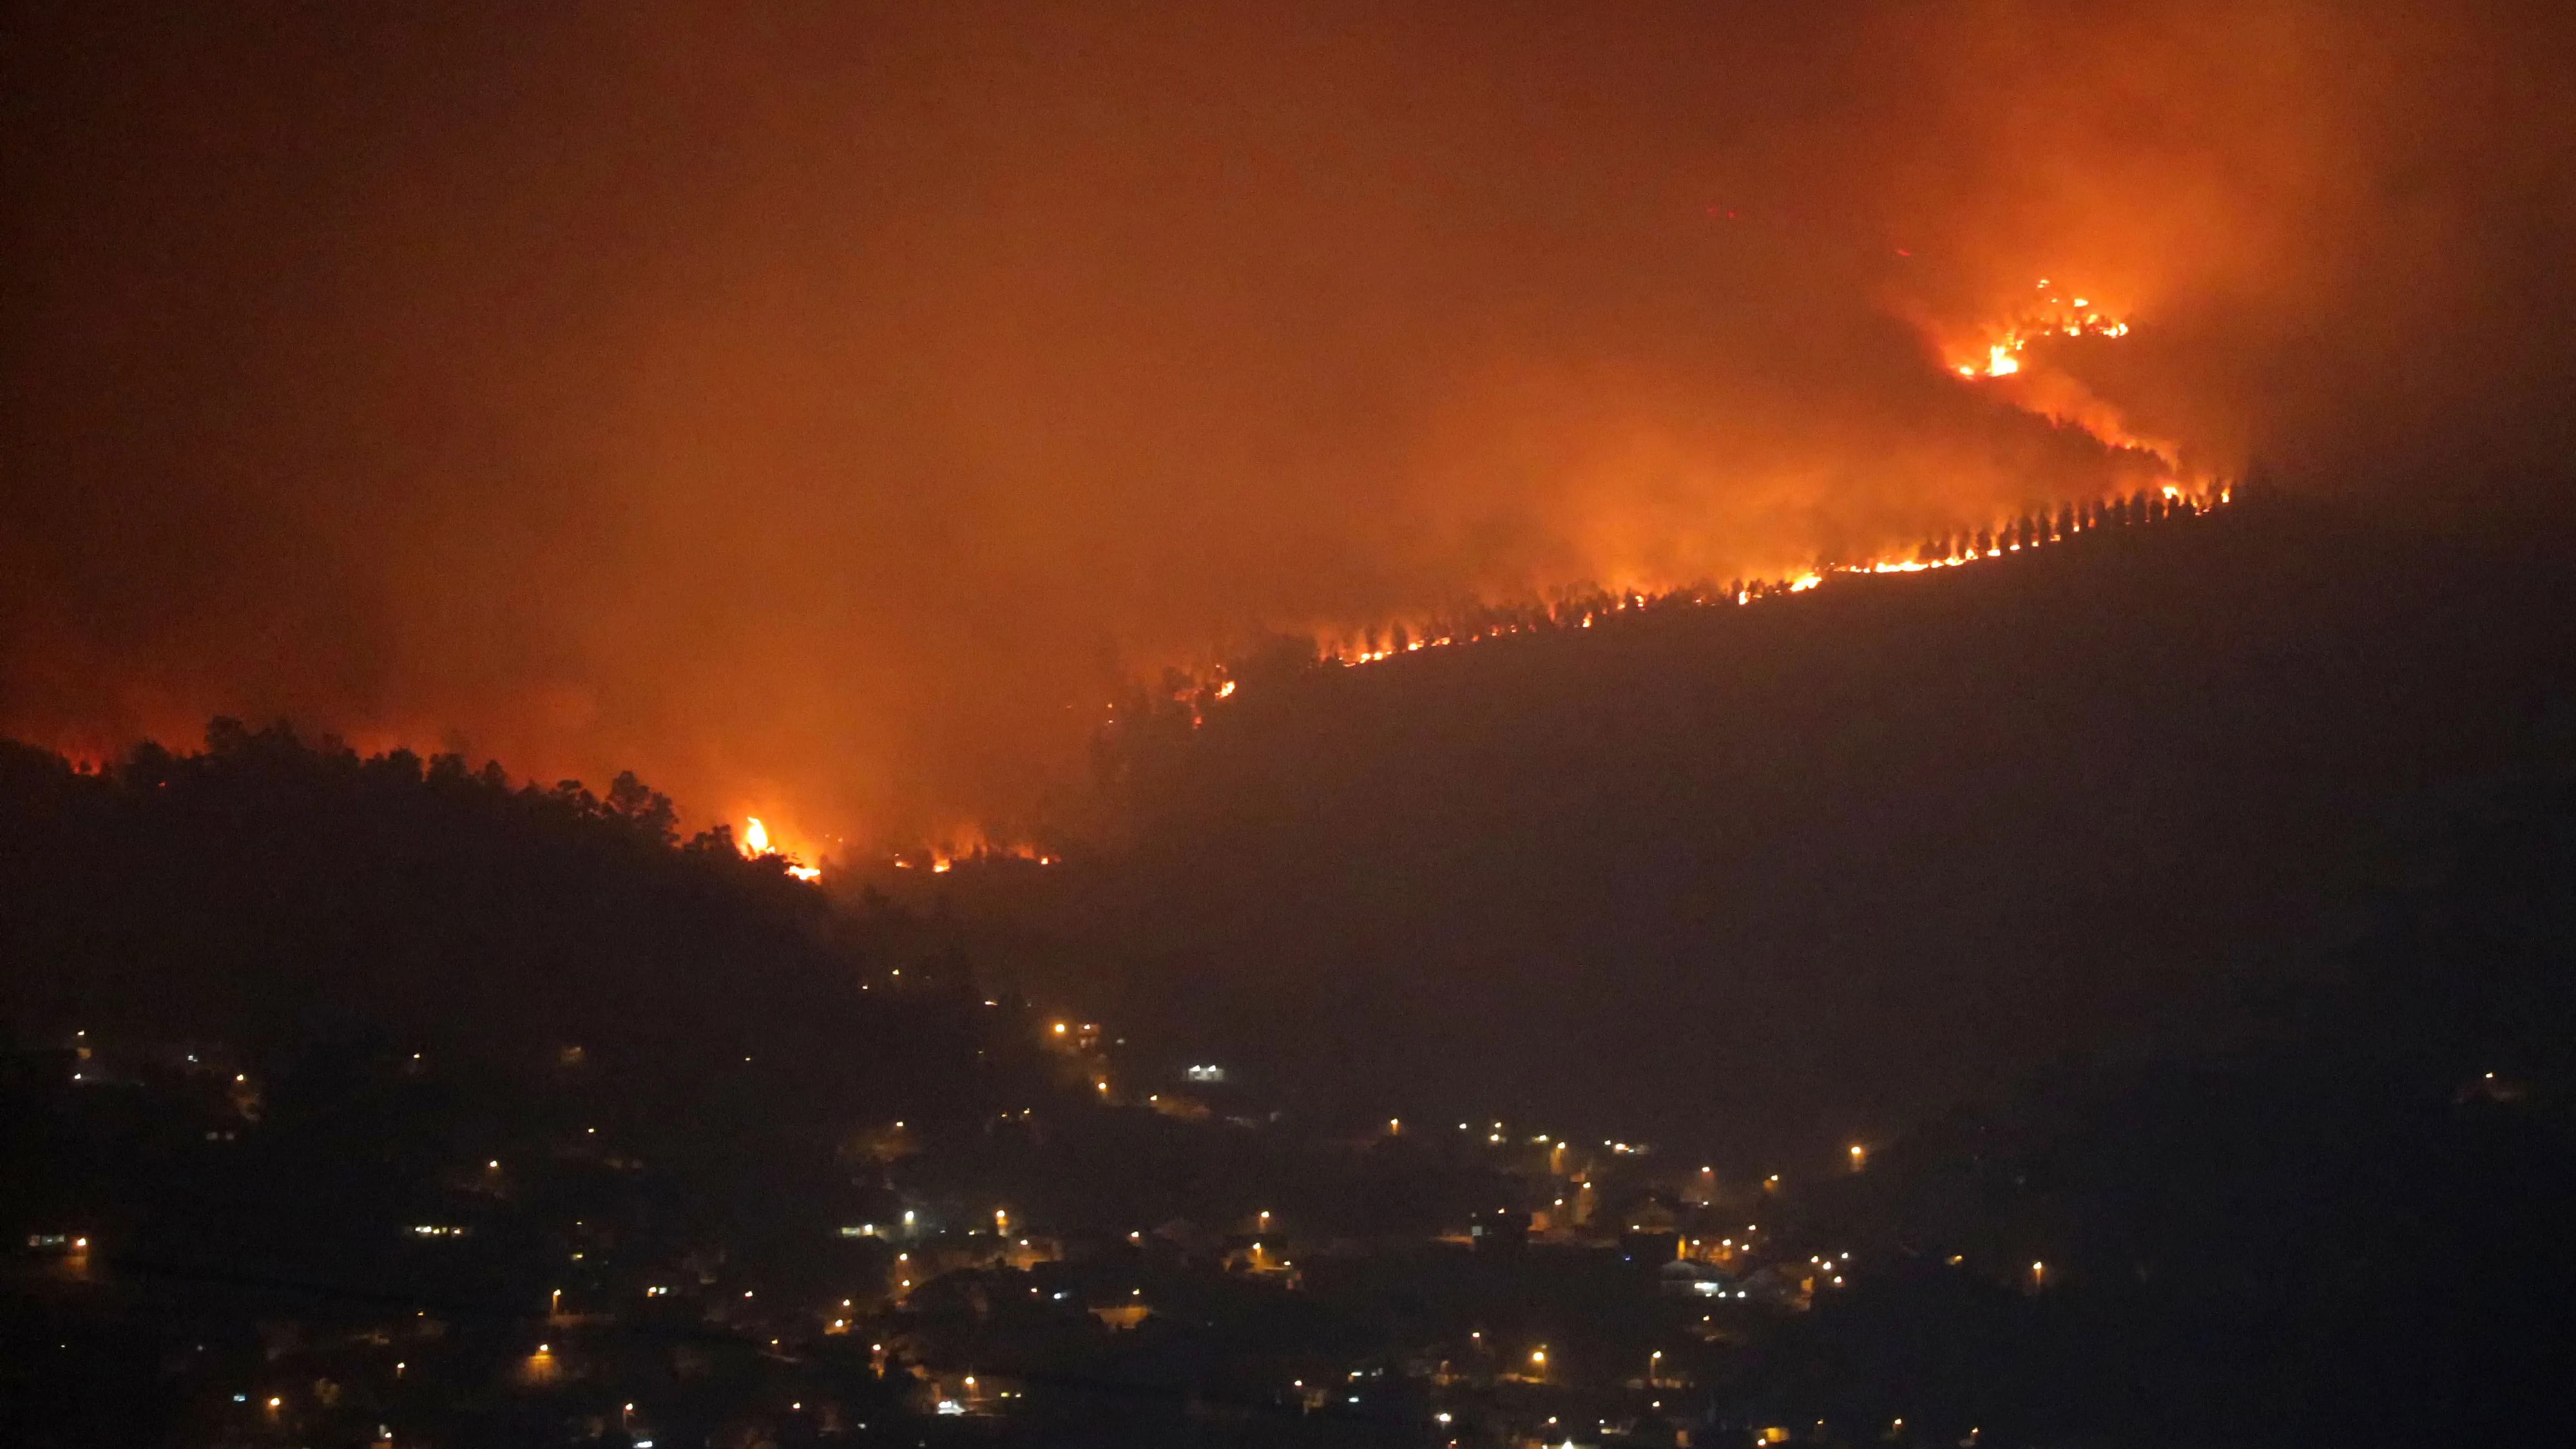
986,1271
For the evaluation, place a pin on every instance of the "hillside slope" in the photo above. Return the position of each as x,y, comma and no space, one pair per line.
1759,880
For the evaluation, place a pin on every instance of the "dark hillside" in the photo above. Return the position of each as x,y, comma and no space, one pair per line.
384,1061
1760,880
267,890
2345,1227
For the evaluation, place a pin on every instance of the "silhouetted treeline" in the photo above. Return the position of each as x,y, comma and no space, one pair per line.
1803,870
1150,715
269,890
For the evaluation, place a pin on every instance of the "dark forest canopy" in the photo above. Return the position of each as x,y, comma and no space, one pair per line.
270,890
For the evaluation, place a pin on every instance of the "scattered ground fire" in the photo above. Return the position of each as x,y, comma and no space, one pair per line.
963,845
969,845
2014,357
1996,350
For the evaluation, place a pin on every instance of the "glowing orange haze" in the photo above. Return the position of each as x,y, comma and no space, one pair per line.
818,415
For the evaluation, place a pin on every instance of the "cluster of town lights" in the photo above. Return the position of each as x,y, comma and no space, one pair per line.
1820,1271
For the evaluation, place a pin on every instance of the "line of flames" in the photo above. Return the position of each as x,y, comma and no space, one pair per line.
963,847
2059,526
1994,351
1210,686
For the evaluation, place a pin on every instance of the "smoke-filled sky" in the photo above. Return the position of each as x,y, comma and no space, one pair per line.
817,406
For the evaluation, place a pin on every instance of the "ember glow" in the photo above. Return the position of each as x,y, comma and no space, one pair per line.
968,845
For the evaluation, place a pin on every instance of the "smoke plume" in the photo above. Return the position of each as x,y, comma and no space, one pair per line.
816,407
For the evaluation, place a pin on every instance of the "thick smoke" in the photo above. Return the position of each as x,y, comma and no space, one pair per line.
815,407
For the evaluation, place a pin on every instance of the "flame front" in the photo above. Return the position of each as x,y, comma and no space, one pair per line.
755,844
1997,350
2003,343
2172,499
970,845
2006,355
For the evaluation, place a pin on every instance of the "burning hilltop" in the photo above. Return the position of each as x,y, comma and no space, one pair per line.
1196,693
2016,356
821,418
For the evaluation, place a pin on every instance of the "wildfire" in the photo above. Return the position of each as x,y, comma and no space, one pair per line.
755,844
2173,499
1999,352
2009,355
1995,350
2006,350
2009,350
968,845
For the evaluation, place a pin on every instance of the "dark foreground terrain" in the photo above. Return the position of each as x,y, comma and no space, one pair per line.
360,1101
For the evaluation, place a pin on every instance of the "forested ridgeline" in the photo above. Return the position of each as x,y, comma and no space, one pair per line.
1763,878
1149,714
352,1080
267,890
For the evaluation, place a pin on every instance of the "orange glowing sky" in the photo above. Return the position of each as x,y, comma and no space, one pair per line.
816,408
